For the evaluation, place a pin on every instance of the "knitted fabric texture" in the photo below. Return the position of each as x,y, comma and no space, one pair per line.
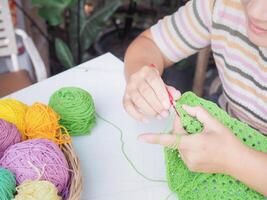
195,186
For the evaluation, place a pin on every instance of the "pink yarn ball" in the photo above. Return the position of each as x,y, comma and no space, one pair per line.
38,158
9,135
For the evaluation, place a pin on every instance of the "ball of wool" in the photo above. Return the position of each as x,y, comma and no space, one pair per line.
76,109
42,122
37,190
13,111
9,135
7,184
37,159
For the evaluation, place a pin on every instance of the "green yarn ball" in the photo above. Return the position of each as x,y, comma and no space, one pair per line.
76,109
195,186
7,184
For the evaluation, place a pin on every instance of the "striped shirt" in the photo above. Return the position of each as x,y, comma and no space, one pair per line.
242,65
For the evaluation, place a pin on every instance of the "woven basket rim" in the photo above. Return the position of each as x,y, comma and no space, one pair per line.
76,180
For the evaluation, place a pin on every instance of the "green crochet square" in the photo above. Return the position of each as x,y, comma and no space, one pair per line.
199,186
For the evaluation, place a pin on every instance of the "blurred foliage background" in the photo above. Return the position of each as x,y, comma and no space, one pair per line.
78,30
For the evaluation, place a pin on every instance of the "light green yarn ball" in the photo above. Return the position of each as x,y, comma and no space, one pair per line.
76,109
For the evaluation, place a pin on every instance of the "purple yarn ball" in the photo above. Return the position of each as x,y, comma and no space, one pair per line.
37,158
9,135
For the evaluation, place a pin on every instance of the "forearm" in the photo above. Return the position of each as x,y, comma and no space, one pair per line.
142,52
250,167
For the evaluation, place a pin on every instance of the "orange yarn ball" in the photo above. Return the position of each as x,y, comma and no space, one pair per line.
42,122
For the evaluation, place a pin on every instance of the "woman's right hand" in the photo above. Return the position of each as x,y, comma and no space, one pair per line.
146,95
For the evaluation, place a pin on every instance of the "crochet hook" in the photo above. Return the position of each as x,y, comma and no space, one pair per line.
172,101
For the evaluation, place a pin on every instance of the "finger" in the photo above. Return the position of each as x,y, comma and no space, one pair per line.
158,86
132,110
177,126
192,141
175,93
140,102
150,97
183,154
166,140
200,113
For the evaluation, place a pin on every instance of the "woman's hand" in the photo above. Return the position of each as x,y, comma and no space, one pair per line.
146,96
215,150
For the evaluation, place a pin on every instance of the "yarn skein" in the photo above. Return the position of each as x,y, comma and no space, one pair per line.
9,135
41,121
37,190
37,159
76,109
7,184
13,111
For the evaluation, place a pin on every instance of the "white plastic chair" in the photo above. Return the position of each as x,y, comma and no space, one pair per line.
9,82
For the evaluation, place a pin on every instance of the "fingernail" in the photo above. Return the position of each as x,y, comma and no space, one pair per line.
166,104
164,114
177,95
141,139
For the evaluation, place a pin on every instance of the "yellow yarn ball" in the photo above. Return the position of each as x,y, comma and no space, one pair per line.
13,111
37,190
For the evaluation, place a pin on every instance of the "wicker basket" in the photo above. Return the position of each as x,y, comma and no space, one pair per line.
76,182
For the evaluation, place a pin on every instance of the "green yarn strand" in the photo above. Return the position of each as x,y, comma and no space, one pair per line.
76,109
124,152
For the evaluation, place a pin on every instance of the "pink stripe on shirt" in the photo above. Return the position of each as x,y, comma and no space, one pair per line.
232,18
180,17
204,13
237,95
174,52
232,56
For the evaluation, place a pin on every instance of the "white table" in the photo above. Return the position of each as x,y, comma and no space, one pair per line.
107,175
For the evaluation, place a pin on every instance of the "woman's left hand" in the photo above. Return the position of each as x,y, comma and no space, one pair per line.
215,150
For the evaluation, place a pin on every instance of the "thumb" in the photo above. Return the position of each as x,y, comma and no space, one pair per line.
200,113
175,93
166,140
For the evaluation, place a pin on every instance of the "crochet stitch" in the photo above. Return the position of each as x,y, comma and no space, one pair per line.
195,186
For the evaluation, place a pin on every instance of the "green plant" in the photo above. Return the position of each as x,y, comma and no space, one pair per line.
79,29
52,10
133,12
65,58
72,30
